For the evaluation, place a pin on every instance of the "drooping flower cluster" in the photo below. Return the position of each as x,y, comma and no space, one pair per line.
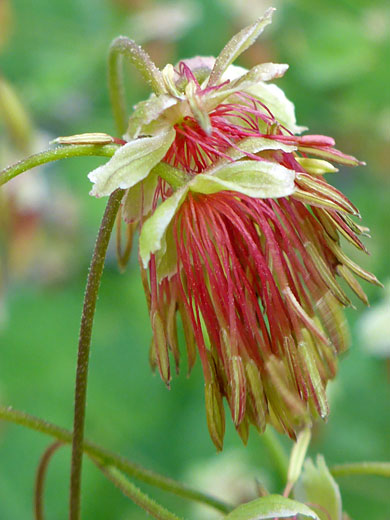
243,241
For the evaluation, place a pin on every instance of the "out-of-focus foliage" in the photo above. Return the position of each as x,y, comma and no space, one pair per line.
53,55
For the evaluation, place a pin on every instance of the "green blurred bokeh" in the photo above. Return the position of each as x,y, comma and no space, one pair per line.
55,58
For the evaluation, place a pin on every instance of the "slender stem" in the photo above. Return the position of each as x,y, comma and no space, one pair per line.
381,469
135,494
124,47
62,152
112,459
40,479
90,299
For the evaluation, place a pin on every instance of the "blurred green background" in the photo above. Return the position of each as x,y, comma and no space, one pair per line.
53,54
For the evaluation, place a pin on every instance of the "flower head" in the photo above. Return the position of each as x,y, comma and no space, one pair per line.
243,241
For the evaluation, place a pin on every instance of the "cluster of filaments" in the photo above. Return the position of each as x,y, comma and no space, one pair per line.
256,284
194,150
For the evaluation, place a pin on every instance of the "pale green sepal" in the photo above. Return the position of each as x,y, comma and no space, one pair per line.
237,45
316,166
198,108
166,256
130,164
152,237
269,507
317,486
262,72
298,454
247,79
169,74
146,112
251,145
137,201
259,179
275,99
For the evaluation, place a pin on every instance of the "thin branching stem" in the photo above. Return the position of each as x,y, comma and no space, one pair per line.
135,494
90,299
109,458
381,469
41,477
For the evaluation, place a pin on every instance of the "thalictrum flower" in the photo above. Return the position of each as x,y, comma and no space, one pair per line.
245,244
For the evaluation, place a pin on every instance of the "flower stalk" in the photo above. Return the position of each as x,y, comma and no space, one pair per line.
90,299
124,47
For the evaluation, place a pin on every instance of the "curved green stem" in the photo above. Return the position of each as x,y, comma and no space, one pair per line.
112,459
124,47
62,152
90,299
40,479
381,469
135,494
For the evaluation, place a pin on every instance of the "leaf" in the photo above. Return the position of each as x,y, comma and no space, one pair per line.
130,164
198,108
242,82
138,200
237,45
317,486
260,179
251,145
152,237
262,72
166,256
275,99
316,166
145,112
270,507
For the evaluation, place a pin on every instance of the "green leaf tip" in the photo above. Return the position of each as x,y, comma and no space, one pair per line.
317,486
